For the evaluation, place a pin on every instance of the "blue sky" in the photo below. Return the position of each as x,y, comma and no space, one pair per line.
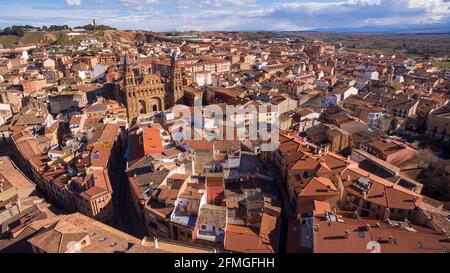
165,15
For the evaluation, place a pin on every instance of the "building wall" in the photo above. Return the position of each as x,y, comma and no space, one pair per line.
30,86
64,103
438,126
156,225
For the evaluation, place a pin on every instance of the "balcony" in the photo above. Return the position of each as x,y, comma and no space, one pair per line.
181,216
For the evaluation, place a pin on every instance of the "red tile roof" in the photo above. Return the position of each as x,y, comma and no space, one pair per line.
152,141
245,240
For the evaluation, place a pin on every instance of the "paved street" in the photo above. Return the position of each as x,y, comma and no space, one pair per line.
251,163
6,150
126,218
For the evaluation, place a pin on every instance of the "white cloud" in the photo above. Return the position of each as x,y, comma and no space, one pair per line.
213,4
138,2
163,15
356,13
73,2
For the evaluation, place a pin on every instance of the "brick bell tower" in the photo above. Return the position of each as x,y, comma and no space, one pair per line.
176,81
129,82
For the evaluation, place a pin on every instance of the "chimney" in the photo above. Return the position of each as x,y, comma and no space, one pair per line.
156,242
356,215
387,212
347,233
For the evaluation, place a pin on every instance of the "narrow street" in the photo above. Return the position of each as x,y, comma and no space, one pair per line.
126,218
284,223
250,163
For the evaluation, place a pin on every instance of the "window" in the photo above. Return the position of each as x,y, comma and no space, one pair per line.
203,226
361,234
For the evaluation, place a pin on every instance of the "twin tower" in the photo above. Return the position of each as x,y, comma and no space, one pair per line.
151,92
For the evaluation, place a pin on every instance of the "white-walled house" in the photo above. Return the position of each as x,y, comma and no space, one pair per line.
5,113
369,75
375,120
399,79
82,75
203,79
187,205
98,72
338,95
308,114
212,223
345,92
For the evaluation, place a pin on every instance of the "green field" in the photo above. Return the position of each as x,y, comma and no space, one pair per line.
442,64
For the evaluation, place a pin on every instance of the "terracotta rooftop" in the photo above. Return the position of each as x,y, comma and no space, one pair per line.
59,231
245,240
152,141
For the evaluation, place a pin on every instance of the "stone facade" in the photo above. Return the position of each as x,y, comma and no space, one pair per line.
151,92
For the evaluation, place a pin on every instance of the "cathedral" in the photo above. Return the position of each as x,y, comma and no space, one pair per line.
151,92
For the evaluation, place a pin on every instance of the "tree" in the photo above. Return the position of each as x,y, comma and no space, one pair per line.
31,51
97,27
426,158
436,182
14,30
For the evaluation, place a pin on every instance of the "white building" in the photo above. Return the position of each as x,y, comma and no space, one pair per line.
399,79
370,75
212,223
375,120
338,95
203,79
98,72
447,75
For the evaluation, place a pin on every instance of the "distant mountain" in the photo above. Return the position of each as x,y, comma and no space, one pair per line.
431,28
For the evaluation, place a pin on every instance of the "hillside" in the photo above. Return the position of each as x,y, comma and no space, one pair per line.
61,38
